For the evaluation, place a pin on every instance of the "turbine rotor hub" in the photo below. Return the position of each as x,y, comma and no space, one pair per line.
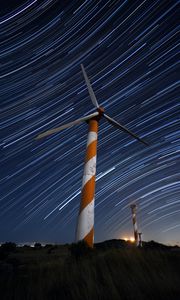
100,111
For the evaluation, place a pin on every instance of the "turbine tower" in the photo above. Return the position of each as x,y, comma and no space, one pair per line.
85,224
134,220
140,239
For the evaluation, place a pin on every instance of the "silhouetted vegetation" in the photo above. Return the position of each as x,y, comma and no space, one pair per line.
8,247
120,272
37,246
80,250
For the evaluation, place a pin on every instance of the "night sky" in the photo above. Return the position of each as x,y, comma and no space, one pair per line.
129,50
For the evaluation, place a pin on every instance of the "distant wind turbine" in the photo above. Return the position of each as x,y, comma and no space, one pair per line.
134,220
85,224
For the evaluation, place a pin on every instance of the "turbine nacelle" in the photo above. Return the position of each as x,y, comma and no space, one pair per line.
100,110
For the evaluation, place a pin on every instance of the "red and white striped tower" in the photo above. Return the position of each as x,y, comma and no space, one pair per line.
85,224
133,209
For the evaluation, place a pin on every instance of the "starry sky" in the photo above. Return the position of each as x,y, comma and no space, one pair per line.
129,50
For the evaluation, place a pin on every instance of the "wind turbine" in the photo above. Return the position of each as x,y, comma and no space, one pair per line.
85,224
133,207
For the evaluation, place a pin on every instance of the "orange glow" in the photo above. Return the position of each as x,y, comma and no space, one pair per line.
130,239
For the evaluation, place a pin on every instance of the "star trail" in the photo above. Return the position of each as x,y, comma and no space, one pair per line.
129,50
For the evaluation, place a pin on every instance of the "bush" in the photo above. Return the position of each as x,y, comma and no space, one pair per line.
48,246
37,246
8,247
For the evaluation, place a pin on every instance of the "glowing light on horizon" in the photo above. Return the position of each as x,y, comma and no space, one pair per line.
129,239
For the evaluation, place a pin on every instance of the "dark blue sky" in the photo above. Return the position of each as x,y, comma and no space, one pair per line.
129,50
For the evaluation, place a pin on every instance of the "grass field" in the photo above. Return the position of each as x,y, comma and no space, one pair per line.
67,272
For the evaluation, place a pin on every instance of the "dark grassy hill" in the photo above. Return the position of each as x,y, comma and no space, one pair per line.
114,270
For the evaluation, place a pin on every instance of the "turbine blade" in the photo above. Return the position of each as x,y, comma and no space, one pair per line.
123,128
55,130
90,89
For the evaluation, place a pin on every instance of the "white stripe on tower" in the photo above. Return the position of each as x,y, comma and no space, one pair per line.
86,221
85,226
